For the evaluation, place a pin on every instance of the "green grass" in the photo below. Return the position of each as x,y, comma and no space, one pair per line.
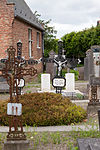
50,140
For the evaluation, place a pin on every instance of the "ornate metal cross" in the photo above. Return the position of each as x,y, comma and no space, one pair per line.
13,72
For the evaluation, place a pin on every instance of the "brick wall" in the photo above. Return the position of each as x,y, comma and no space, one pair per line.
20,32
12,30
6,21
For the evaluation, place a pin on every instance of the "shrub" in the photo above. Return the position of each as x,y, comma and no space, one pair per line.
76,74
45,109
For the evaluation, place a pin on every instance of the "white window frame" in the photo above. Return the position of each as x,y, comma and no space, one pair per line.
38,39
30,42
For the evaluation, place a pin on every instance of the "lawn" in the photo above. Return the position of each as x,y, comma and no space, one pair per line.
57,140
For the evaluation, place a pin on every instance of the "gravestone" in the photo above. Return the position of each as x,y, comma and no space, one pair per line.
92,62
50,66
70,82
70,86
45,82
81,73
88,64
94,95
89,144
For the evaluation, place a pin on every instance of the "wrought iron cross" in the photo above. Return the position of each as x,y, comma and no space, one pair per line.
13,72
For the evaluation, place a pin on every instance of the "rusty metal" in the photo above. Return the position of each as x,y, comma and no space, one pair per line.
13,71
94,97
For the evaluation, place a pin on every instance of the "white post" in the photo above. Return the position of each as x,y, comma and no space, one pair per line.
45,83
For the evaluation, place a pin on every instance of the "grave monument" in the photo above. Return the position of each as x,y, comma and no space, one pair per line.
59,82
13,71
92,62
50,65
45,83
94,83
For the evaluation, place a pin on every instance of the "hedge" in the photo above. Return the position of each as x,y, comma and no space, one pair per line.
45,109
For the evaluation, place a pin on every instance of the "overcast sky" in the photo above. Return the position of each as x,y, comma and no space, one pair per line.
67,15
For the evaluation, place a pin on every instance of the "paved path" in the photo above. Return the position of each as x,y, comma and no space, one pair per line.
54,128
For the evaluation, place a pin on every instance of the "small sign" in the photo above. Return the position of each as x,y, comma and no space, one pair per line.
21,83
14,109
59,82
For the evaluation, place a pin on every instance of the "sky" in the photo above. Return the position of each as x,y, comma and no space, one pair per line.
67,15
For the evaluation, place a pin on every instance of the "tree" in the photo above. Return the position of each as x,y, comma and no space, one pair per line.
77,43
50,41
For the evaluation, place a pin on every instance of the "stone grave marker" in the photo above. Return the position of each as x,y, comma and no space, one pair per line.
96,58
70,82
45,83
89,144
94,95
50,66
92,62
88,64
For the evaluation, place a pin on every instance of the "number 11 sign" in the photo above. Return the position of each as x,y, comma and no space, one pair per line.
14,109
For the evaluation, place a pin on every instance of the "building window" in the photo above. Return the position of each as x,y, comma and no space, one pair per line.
30,41
38,40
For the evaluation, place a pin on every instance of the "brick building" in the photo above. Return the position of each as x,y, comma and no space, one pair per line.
17,22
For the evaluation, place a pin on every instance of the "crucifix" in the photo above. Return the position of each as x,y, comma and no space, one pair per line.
59,81
13,72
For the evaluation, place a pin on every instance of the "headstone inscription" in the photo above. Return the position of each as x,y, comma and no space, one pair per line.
13,72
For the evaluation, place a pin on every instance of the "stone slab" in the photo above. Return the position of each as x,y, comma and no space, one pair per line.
45,82
94,80
92,109
16,145
89,144
70,82
4,87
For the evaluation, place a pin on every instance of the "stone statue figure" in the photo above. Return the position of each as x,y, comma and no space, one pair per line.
60,65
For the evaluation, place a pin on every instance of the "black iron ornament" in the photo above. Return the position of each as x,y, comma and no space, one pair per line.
19,49
59,81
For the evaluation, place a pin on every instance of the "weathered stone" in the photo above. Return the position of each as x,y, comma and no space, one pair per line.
4,87
89,144
92,108
81,73
88,64
50,66
16,145
94,80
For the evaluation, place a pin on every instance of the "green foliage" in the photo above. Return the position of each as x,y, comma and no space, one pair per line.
77,43
64,71
50,41
76,74
79,96
46,109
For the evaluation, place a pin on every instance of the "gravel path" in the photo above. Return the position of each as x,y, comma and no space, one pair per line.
5,129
